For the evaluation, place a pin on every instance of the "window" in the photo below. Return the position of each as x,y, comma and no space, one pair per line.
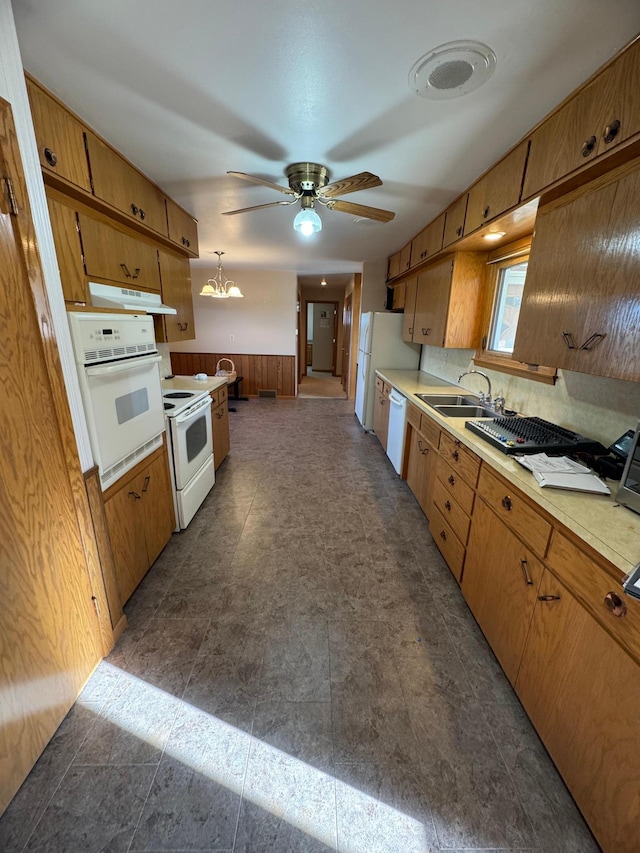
507,274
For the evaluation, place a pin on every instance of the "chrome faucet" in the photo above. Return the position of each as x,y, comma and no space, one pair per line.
484,398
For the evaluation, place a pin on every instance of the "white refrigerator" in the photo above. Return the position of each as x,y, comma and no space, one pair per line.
380,345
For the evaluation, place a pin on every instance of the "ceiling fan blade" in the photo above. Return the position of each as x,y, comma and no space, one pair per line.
255,180
361,210
362,181
257,207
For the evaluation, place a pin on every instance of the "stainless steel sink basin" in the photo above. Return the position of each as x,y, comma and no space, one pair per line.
466,411
449,399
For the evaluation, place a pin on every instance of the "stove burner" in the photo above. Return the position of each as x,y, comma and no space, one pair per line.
169,406
178,395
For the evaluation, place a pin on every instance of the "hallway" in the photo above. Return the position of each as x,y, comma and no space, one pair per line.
321,385
300,674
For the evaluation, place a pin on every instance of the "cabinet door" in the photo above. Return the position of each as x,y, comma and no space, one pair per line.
381,417
399,292
410,292
405,258
421,469
156,506
127,539
60,139
183,229
66,238
582,692
454,221
116,256
175,277
500,584
579,308
498,190
432,304
428,242
117,183
220,432
393,269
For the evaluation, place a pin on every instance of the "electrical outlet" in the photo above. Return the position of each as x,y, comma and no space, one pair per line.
232,337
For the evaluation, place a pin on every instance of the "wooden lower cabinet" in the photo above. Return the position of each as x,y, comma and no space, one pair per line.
500,585
381,412
140,519
220,425
421,466
582,693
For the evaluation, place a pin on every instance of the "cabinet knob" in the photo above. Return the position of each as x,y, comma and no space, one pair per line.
447,506
615,604
506,503
611,131
50,157
588,146
134,209
443,535
455,455
485,212
459,230
452,480
142,214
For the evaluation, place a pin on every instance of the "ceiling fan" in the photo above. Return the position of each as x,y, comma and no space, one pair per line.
308,185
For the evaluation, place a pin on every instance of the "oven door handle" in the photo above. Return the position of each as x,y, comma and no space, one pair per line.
187,416
122,366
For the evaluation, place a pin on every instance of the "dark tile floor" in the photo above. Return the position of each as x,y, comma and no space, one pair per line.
300,673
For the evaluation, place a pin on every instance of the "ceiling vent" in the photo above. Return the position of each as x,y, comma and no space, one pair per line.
452,70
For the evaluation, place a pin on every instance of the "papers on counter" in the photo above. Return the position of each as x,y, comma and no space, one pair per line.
560,472
631,583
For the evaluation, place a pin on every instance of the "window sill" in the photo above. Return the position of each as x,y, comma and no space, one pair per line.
536,372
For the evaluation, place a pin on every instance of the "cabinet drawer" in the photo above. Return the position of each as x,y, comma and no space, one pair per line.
591,583
516,513
460,458
183,229
379,384
430,430
455,486
413,416
451,510
448,543
114,255
219,395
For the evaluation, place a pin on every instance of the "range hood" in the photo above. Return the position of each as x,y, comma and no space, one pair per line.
106,296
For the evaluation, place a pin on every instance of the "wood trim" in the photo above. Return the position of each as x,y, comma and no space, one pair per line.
259,372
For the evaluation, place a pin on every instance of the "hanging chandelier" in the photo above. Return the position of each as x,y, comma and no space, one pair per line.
219,287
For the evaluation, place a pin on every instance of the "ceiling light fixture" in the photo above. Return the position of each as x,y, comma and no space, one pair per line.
307,221
494,235
323,283
219,287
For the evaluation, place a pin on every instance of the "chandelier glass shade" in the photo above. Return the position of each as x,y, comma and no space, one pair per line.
220,287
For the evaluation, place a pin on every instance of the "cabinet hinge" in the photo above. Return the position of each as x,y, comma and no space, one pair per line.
11,195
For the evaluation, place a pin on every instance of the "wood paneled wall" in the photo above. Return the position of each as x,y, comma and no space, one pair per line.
259,372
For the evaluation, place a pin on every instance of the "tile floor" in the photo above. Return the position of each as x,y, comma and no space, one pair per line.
300,673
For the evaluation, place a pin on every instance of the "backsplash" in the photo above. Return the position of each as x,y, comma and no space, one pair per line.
165,364
591,405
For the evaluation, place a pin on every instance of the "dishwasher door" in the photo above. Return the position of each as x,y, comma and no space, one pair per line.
397,429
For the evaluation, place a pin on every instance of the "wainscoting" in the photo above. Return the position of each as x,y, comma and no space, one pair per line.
259,372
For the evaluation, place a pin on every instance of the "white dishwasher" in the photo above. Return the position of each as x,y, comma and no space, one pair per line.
397,429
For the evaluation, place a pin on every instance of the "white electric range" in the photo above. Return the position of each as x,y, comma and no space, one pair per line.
188,415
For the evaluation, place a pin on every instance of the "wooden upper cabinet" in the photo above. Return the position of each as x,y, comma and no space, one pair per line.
399,293
66,239
428,242
60,138
410,292
498,190
183,229
580,303
599,117
118,184
405,258
175,277
448,309
393,268
115,256
454,220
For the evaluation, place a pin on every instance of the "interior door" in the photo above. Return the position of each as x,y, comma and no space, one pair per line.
346,341
49,640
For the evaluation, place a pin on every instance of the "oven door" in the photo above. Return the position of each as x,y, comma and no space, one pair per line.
124,408
191,440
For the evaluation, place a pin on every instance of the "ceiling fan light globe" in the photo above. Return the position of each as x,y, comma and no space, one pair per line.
307,222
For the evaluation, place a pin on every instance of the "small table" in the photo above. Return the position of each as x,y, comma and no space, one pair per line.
235,385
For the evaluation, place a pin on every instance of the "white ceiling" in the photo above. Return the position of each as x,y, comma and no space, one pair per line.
188,90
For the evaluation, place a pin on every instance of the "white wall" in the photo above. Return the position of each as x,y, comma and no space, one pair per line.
591,405
263,322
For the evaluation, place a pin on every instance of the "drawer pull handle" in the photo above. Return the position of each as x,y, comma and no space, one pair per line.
183,326
506,503
567,337
147,480
611,131
525,572
447,506
423,450
136,273
486,212
594,339
50,157
615,604
452,480
219,415
125,270
548,598
455,455
443,535
134,495
426,332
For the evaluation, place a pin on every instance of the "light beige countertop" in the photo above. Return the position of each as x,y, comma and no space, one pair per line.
190,383
610,529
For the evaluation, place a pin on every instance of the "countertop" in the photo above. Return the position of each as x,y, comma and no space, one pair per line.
613,531
190,383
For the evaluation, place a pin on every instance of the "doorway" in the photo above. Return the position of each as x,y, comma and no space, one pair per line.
322,336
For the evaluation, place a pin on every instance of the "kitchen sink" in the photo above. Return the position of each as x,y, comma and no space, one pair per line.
449,399
466,411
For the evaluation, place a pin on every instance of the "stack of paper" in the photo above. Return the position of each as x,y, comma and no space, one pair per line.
560,472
